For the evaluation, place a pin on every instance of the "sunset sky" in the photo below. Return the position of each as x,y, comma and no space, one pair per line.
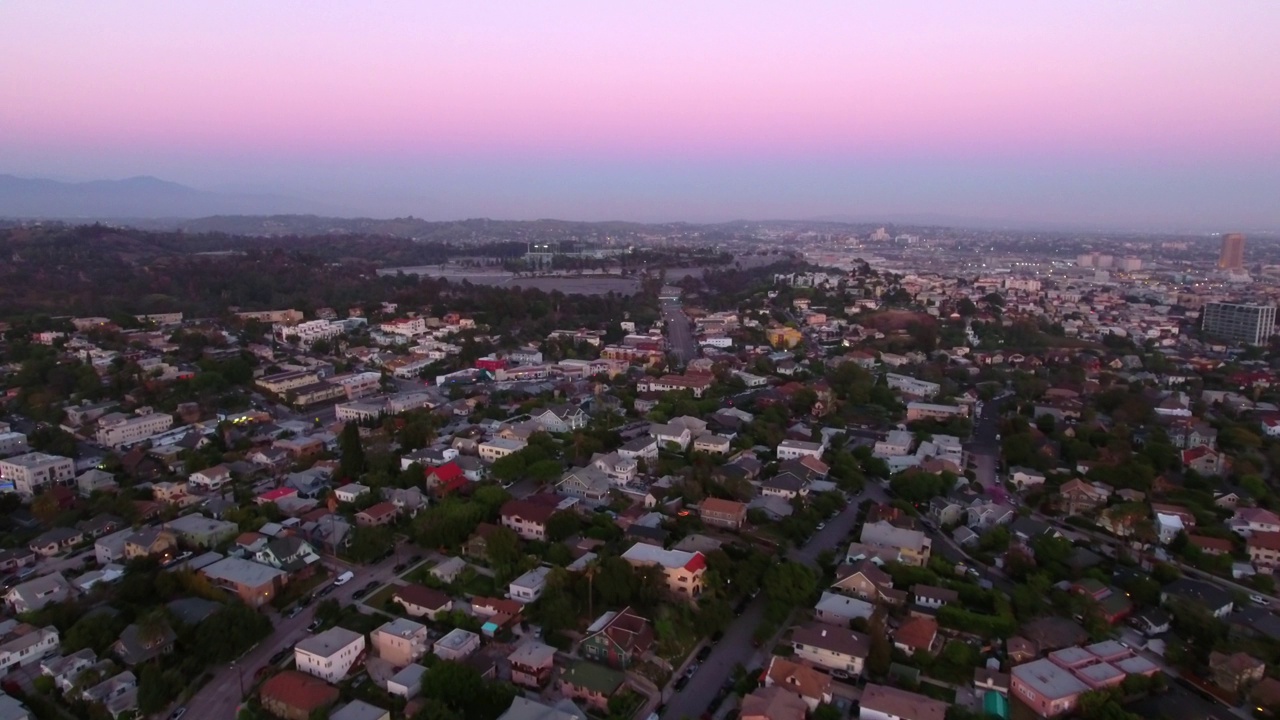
1127,115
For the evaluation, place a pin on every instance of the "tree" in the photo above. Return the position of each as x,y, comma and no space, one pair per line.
368,543
45,507
352,462
563,525
503,550
786,585
880,654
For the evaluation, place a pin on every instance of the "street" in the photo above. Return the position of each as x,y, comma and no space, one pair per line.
679,334
221,696
736,646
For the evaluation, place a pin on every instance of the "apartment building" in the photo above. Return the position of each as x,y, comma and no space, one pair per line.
1240,323
696,384
796,449
307,333
908,385
329,655
723,513
32,472
497,448
400,641
118,430
358,385
930,411
281,383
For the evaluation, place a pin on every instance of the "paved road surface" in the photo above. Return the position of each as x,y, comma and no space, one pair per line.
679,335
219,699
736,645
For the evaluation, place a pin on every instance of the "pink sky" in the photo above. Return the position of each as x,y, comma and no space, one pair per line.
305,96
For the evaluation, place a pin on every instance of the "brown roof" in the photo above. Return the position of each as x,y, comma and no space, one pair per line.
900,703
422,596
1210,543
773,703
868,569
629,631
944,595
1237,663
1265,540
298,691
1267,692
917,633
723,507
833,638
531,511
380,510
802,680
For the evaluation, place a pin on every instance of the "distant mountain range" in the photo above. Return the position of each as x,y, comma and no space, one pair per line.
137,197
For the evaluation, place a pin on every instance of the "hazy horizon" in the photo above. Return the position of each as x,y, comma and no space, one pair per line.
1087,115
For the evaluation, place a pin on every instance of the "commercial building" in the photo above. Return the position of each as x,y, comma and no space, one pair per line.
31,472
1053,685
1231,257
1236,322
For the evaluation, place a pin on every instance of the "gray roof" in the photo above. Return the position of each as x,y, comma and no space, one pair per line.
242,572
328,642
1048,679
526,709
358,710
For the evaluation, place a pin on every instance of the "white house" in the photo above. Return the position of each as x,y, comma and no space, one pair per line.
896,444
496,448
210,479
795,449
1023,478
908,385
350,492
457,645
529,586
671,434
329,655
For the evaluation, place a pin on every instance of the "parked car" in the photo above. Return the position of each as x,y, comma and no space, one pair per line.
280,656
178,713
315,625
294,612
704,653
344,578
1259,599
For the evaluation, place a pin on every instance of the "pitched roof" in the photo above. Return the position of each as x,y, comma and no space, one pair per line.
774,703
835,639
537,512
901,703
917,632
299,691
800,679
422,596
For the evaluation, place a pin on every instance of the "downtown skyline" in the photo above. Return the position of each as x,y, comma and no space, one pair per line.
1090,115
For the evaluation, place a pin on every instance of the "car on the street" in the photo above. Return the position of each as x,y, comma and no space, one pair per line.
280,656
368,588
822,526
681,682
325,590
1259,599
704,653
315,625
399,568
182,710
294,612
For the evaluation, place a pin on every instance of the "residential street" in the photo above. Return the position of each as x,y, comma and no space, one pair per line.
736,645
219,699
679,334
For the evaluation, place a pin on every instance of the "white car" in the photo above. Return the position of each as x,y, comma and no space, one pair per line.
1259,599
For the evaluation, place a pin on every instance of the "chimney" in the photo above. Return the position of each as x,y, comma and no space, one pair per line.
824,632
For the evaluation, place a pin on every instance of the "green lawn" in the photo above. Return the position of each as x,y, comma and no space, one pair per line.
379,599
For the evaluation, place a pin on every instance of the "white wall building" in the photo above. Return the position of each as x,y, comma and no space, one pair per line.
118,430
329,655
31,472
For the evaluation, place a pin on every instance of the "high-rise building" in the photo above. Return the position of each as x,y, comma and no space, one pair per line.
1130,263
1232,255
1249,324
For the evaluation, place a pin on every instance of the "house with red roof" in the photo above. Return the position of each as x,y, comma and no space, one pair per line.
273,496
294,695
445,479
684,570
1204,460
383,513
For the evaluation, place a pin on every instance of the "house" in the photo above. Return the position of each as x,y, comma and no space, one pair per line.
1023,478
560,418
360,710
1264,550
1204,460
36,593
95,480
383,513
528,587
863,580
499,612
136,646
840,610
589,484
1249,520
1153,621
329,655
498,448
119,693
1216,601
456,645
201,531
400,641
723,513
711,444
477,546
1077,496
1236,671
773,703
528,518
917,633
591,683
408,682
254,583
644,447
617,639
52,542
65,670
24,644
531,664
422,601
350,492
621,470
1112,604
293,695
448,570
830,647
928,596
912,546
796,449
684,570
446,478
150,542
671,436
881,702
291,554
210,479
523,708
812,686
